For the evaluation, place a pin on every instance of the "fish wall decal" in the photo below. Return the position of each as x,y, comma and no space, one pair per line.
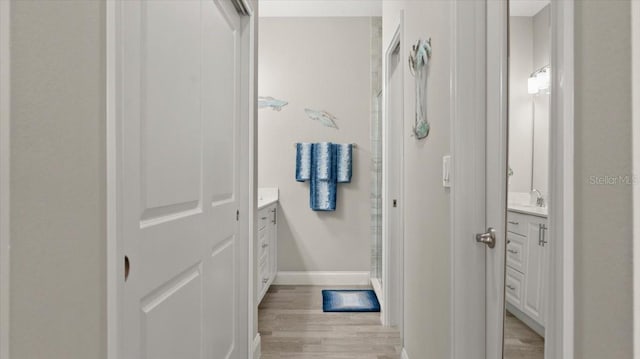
324,117
270,102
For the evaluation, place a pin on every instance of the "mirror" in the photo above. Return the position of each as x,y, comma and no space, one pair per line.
527,225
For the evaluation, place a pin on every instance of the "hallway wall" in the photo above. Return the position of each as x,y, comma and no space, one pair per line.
323,64
603,212
58,219
427,248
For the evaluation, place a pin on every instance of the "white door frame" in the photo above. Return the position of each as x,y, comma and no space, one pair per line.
5,130
115,255
559,342
635,89
559,319
393,251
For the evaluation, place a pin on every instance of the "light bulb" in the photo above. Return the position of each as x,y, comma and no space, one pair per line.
532,85
543,79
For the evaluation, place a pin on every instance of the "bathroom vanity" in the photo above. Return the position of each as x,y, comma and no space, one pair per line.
527,264
266,255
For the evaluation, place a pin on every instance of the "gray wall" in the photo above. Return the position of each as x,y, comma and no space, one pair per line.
58,290
603,213
323,64
427,252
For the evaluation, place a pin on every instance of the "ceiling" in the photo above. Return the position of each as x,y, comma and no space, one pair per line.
319,8
526,7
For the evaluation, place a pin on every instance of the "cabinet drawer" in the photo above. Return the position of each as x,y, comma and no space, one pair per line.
263,218
517,223
516,251
263,243
263,273
514,285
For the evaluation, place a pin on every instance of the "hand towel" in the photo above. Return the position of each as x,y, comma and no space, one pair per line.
323,177
343,162
303,161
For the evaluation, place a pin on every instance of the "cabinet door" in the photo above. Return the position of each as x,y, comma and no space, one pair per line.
273,241
534,283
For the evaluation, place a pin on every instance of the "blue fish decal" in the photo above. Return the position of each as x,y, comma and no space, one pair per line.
324,117
270,102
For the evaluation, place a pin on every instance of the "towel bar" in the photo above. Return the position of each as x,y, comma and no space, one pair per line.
353,144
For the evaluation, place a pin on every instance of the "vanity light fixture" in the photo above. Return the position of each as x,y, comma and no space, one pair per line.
539,81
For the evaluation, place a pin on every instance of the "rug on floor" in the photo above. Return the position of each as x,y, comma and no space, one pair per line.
349,300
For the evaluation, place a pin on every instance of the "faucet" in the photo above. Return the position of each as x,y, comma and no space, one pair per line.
539,198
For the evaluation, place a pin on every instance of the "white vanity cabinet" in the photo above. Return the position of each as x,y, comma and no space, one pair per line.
527,263
266,255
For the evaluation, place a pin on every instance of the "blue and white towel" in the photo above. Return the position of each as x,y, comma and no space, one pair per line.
343,165
303,162
323,180
325,164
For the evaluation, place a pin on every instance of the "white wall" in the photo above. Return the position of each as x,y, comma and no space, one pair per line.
58,234
323,64
427,248
541,57
603,213
520,102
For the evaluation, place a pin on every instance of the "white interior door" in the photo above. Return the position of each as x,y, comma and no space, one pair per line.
496,171
179,146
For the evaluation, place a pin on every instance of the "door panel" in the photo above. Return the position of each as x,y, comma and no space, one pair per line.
533,291
180,153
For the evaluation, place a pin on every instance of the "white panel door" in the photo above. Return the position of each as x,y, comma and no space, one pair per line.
179,144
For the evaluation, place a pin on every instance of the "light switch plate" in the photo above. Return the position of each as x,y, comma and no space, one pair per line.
446,171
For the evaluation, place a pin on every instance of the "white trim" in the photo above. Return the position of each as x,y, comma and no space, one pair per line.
252,181
256,347
322,278
393,251
115,264
559,330
467,136
635,90
5,130
403,354
320,8
377,288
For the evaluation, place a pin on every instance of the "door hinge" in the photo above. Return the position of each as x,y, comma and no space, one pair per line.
237,214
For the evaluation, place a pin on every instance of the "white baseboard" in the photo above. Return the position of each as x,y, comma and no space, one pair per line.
322,278
403,354
257,351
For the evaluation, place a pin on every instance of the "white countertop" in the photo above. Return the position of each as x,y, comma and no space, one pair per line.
267,196
521,202
528,209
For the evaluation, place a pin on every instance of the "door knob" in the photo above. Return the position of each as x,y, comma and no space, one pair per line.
488,238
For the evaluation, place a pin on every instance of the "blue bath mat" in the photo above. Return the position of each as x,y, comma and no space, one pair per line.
350,300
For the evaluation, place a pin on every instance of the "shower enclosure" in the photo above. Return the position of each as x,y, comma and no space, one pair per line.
376,155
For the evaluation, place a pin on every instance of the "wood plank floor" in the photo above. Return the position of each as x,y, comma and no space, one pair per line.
520,342
292,325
